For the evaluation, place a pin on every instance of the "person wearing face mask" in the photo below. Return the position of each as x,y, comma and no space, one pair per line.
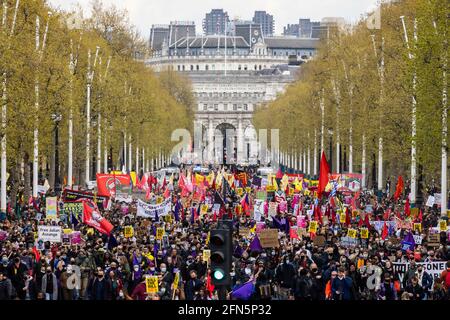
341,286
87,265
166,275
50,285
7,291
425,281
284,276
318,283
16,272
192,285
302,285
101,288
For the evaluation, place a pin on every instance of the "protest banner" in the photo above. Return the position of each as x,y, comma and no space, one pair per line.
73,209
417,239
293,232
151,284
50,233
248,189
113,184
128,232
269,238
258,210
260,226
76,237
348,242
437,199
176,280
433,268
72,196
147,210
51,208
414,212
159,233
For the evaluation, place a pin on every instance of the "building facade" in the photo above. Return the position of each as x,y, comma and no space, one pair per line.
216,22
231,76
266,21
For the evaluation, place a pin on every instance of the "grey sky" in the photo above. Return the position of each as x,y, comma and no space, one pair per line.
144,13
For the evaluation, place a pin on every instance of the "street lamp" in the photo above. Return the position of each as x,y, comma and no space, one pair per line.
56,117
330,133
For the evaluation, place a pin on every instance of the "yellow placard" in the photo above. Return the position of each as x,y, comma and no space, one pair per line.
448,214
312,227
364,233
151,284
240,191
443,225
90,231
176,280
204,209
206,255
207,239
342,217
354,213
159,233
248,189
351,233
168,218
159,200
291,191
128,232
239,208
67,231
418,227
270,188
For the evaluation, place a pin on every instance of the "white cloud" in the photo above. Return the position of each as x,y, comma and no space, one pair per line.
144,13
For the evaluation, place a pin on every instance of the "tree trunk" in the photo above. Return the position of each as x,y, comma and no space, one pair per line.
27,178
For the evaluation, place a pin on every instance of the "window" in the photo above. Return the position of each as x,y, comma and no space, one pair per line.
259,67
225,106
256,67
287,53
216,107
179,68
197,67
239,67
205,107
183,68
245,107
274,53
245,67
206,67
235,107
192,67
214,67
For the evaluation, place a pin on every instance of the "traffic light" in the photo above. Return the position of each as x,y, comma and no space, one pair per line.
221,254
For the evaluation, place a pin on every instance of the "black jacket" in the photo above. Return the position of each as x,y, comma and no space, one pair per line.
285,275
6,290
302,287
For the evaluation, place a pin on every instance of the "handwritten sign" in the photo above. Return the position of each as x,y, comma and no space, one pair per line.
269,238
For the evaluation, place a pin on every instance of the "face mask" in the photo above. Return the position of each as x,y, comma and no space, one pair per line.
136,269
273,253
163,290
263,255
163,270
287,261
152,269
173,246
232,274
193,248
248,271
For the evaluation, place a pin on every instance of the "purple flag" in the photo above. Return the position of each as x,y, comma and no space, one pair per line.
255,245
244,292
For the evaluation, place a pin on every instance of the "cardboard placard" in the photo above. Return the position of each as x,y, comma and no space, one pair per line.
151,284
319,240
269,238
434,240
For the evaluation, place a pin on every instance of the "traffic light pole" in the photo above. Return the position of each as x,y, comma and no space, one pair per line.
222,293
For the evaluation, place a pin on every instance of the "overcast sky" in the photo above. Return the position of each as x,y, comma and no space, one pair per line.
144,13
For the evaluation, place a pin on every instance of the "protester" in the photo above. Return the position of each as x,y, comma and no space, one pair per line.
106,262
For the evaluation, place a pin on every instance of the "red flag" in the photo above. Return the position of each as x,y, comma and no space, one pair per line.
399,188
323,175
36,253
333,216
384,233
279,174
386,214
166,193
360,222
209,285
366,221
347,216
107,183
420,215
407,208
92,217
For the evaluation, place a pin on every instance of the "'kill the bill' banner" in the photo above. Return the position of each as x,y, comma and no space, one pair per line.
73,195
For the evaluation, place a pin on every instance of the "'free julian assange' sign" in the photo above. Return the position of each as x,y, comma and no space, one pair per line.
49,233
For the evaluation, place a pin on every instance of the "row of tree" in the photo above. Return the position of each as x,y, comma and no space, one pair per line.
47,60
364,78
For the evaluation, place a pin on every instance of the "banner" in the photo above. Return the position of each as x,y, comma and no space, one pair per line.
348,242
92,218
51,208
73,208
112,184
434,268
273,208
147,210
49,233
258,210
102,202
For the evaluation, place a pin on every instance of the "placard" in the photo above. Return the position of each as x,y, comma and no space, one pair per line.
434,240
128,232
244,232
273,208
151,284
269,238
270,188
319,240
342,217
159,233
364,233
50,233
312,227
351,233
261,195
248,189
206,255
418,227
442,225
51,208
239,191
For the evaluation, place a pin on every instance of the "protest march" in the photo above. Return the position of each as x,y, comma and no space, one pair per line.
293,239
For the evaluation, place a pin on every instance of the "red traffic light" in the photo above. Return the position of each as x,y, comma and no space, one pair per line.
217,240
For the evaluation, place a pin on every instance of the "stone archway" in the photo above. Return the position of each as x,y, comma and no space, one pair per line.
225,143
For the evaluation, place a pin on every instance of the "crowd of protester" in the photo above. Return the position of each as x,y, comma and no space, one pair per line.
114,267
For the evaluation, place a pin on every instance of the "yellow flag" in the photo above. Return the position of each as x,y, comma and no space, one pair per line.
275,184
199,179
284,182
